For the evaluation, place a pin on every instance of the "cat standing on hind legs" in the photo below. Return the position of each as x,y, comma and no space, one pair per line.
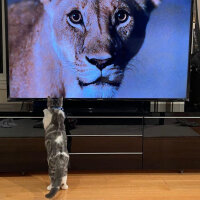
56,146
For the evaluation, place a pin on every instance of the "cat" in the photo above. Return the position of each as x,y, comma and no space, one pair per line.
56,145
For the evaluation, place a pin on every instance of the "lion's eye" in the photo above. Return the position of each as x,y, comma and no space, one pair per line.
121,16
75,17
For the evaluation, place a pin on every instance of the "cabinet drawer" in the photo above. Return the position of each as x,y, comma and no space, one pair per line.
105,162
92,144
22,154
95,130
9,154
171,153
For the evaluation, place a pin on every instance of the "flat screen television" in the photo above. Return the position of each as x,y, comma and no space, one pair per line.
98,49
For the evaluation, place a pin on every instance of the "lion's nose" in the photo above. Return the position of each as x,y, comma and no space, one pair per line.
100,63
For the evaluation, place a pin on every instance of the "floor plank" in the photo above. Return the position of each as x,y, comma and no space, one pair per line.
105,186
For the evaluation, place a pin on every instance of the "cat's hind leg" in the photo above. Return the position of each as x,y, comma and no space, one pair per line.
64,185
50,186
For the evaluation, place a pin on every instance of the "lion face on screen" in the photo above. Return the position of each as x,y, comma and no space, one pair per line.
95,40
74,48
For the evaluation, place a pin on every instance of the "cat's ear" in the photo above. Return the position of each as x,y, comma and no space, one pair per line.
61,101
48,101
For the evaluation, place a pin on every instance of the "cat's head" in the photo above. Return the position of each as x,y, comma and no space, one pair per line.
54,103
54,114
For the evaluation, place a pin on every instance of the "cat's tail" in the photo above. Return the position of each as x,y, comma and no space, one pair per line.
52,193
55,185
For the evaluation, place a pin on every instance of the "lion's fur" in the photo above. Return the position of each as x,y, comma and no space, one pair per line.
22,19
47,54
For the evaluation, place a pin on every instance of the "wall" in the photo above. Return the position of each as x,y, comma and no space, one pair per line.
3,76
198,2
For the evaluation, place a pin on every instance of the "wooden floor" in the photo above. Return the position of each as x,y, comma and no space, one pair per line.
105,186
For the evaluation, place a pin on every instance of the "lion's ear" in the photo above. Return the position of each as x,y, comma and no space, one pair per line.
156,2
148,5
48,6
44,2
151,5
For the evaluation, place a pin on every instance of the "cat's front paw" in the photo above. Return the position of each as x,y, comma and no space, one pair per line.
49,187
64,187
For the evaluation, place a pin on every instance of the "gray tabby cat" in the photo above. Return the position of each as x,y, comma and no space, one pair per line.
56,146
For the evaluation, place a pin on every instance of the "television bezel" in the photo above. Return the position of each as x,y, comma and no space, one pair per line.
10,99
1,39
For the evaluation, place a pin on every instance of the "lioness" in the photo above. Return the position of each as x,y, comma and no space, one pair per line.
74,48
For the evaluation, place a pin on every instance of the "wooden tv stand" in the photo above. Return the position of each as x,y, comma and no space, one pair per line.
107,143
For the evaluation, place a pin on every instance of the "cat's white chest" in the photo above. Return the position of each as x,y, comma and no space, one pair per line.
47,119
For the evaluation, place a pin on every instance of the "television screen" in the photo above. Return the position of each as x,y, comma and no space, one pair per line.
125,49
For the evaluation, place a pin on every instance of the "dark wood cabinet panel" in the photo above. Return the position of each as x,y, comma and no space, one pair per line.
106,162
29,154
92,144
168,143
22,154
33,154
171,153
9,155
119,130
